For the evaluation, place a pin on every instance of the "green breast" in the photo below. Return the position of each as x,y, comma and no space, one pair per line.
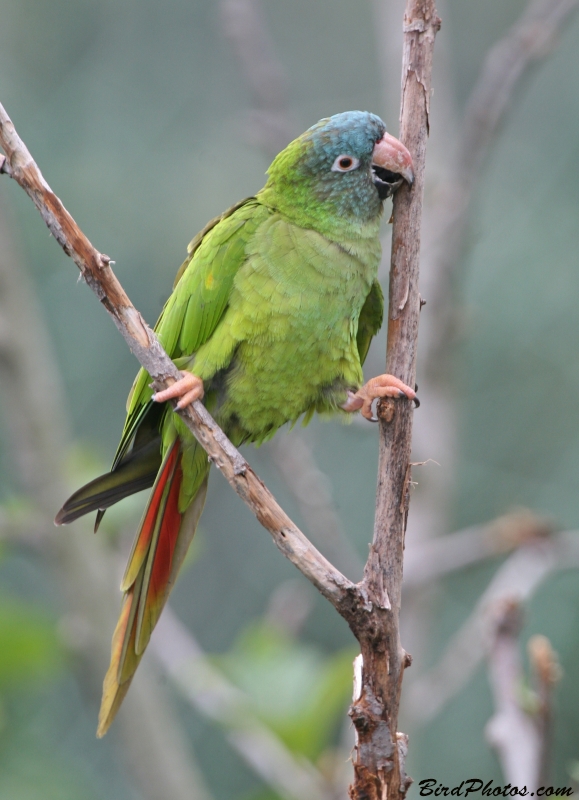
294,313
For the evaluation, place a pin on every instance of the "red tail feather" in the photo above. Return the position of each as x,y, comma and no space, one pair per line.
160,560
142,542
146,583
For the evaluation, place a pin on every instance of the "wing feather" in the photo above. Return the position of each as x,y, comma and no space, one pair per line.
370,321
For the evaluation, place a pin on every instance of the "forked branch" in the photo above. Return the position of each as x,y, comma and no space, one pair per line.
372,607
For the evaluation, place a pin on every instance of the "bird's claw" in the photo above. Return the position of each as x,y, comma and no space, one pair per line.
381,386
187,389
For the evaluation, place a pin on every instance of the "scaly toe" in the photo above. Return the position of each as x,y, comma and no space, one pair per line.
186,390
381,386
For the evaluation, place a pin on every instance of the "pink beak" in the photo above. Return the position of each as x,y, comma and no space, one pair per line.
391,154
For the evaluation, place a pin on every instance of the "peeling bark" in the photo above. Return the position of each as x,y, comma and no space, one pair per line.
380,749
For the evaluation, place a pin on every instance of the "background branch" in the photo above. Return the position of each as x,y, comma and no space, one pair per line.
207,690
519,576
430,560
520,729
511,731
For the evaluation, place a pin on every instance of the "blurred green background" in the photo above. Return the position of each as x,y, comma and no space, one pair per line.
139,115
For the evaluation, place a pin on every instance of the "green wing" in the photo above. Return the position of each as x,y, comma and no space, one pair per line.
370,321
199,299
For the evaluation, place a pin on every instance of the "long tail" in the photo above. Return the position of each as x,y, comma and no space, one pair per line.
158,551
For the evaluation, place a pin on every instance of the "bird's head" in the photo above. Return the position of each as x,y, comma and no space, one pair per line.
345,165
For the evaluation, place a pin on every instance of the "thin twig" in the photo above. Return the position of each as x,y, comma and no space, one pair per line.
96,271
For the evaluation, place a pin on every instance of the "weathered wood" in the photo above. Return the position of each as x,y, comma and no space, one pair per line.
380,749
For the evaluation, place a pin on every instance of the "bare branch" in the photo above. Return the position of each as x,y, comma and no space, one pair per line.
96,271
456,154
379,752
519,576
511,731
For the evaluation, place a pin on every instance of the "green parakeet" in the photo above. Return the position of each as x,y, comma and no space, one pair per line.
270,319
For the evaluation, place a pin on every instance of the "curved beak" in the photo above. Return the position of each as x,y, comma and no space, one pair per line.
390,154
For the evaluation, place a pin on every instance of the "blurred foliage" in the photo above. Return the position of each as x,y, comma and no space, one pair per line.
31,657
296,689
29,648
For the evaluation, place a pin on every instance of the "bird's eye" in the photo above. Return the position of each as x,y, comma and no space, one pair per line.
345,163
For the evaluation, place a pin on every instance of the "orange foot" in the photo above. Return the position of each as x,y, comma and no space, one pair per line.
188,389
382,386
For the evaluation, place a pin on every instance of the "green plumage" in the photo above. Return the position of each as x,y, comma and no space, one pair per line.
274,309
277,302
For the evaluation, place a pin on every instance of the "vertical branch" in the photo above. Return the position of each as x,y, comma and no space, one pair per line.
511,731
380,750
420,26
520,730
545,673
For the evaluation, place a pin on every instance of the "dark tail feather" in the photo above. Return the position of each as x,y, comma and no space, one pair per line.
136,472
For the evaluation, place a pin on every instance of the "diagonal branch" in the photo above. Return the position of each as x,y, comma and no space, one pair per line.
151,736
520,576
96,270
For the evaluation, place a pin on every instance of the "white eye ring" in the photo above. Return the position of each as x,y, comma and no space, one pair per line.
345,163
